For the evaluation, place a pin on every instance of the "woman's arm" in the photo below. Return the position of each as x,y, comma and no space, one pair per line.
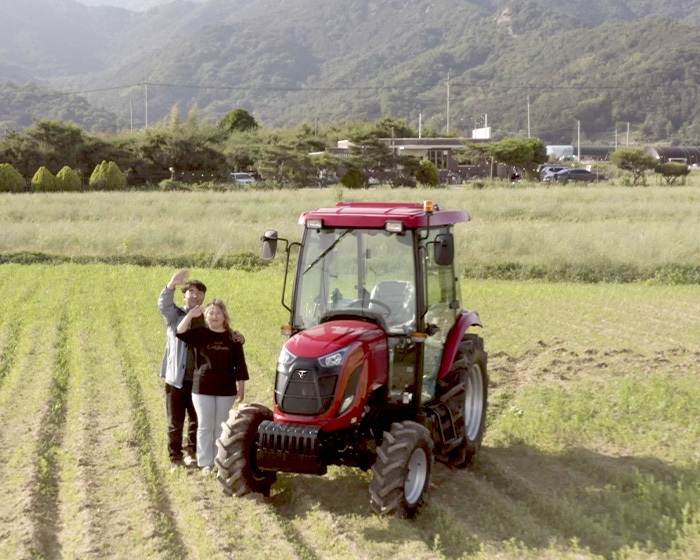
184,325
241,390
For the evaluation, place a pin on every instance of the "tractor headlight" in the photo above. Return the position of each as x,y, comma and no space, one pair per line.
350,390
334,359
285,358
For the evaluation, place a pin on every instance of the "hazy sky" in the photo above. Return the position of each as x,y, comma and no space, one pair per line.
134,5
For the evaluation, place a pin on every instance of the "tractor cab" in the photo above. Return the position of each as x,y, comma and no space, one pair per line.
393,268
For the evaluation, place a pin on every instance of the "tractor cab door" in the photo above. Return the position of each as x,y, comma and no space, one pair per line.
441,297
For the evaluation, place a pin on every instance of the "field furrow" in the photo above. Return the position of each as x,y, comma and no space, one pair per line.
30,413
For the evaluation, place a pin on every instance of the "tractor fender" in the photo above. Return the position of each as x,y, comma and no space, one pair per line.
468,318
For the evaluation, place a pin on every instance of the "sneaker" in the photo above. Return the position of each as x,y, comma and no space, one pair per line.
209,469
189,462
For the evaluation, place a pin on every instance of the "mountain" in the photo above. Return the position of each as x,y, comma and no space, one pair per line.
603,62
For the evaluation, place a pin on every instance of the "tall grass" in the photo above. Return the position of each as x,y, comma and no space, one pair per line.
606,232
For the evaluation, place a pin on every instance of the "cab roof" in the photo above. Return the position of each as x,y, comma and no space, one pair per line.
376,214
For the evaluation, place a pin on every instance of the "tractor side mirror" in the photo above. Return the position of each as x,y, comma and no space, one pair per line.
269,249
444,249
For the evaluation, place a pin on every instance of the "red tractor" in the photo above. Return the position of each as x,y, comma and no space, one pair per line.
379,371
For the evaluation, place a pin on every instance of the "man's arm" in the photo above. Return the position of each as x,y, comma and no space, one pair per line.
166,301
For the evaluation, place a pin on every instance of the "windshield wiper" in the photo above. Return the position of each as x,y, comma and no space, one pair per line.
330,248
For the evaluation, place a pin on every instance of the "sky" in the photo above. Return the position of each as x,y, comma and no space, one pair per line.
133,5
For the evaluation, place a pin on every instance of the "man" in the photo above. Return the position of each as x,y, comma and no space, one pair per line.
177,368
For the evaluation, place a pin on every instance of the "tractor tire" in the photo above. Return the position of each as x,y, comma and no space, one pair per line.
235,459
469,369
402,469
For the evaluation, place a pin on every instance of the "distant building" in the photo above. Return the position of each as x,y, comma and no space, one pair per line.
440,151
681,154
558,152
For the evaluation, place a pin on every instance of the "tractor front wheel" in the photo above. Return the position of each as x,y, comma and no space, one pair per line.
402,469
237,470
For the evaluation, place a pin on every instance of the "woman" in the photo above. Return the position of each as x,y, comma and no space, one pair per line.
218,363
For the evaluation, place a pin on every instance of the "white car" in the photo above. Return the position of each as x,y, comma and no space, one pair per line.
243,178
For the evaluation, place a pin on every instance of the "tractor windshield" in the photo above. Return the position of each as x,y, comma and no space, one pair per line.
356,269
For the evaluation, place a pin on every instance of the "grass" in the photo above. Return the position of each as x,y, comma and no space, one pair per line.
591,450
576,233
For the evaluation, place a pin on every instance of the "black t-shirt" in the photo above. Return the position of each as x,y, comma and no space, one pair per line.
218,361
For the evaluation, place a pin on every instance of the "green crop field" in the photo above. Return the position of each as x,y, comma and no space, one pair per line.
593,441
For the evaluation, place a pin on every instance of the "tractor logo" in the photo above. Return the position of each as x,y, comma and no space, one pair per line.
302,373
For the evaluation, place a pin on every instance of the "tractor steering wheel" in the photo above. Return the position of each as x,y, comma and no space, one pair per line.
383,305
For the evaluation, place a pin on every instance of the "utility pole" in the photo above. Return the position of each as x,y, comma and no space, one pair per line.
628,134
448,102
578,138
615,137
420,125
145,83
528,116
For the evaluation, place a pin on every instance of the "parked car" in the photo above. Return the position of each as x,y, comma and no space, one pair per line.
546,171
578,175
243,178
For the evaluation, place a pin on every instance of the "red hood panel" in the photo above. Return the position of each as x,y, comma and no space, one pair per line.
328,337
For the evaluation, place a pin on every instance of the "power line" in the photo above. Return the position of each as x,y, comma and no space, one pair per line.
490,86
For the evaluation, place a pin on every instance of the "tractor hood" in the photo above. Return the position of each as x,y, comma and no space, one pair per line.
332,336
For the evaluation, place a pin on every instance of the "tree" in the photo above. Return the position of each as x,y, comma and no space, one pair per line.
525,154
44,180
672,170
284,165
192,121
11,180
238,120
68,180
635,161
327,166
175,118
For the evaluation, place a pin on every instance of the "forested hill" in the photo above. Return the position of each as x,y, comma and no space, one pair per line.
603,62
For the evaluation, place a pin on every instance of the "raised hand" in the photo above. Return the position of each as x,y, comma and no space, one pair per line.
179,278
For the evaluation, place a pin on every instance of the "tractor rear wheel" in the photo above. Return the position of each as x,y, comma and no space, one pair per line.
469,369
402,469
237,470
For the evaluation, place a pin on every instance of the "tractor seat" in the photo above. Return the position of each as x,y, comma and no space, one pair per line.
400,297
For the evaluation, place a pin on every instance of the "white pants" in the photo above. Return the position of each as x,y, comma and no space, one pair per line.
212,411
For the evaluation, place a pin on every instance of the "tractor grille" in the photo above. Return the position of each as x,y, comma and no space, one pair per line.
305,390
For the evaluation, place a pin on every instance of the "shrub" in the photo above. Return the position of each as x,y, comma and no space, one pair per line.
428,173
107,177
67,179
11,180
173,185
353,179
44,180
